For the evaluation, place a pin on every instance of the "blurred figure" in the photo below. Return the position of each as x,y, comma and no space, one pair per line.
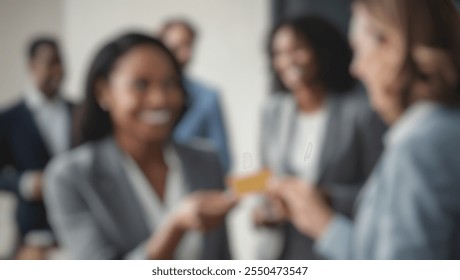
407,52
31,133
129,192
204,118
318,128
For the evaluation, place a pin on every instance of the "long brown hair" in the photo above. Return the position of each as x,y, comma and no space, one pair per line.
431,34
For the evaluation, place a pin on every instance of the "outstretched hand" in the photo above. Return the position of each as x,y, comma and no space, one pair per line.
205,210
306,206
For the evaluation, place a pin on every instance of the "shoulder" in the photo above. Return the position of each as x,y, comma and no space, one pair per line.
13,115
74,164
437,134
355,107
277,102
355,102
424,166
13,110
428,153
203,89
203,96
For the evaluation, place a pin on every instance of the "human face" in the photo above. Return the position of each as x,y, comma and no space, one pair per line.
293,60
143,95
46,70
378,55
180,42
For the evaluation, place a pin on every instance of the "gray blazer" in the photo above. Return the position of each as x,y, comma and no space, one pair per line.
353,144
410,207
93,208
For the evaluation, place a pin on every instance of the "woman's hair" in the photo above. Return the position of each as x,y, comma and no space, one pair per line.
93,122
331,49
431,33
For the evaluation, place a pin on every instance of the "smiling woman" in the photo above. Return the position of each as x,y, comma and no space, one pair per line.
118,82
129,191
407,53
320,129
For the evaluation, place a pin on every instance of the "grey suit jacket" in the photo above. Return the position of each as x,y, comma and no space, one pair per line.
410,207
93,208
353,144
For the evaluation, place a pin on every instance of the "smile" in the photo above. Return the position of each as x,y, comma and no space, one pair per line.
155,117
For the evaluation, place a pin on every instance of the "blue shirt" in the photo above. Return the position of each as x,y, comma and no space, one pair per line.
204,120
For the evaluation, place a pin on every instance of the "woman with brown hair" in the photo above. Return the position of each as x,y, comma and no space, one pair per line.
407,53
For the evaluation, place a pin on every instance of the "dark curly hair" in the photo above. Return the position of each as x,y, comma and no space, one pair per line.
331,49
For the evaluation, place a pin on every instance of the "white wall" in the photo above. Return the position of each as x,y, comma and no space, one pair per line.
20,21
230,55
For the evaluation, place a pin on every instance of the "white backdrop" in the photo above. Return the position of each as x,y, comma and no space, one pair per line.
230,55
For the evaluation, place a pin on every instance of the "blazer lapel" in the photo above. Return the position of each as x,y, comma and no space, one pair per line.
197,177
214,244
287,124
117,195
32,133
330,138
70,130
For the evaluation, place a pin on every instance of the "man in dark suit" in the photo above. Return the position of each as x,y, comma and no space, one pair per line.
31,132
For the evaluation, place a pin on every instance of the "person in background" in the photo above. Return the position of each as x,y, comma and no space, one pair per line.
31,133
204,118
128,191
407,53
318,128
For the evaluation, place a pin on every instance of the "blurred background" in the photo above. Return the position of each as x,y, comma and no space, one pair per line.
230,53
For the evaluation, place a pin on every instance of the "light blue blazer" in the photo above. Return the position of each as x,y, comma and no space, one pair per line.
410,207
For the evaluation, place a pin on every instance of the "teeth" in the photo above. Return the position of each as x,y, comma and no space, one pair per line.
157,117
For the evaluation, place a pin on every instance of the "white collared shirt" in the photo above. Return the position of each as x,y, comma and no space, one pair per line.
52,119
158,211
306,145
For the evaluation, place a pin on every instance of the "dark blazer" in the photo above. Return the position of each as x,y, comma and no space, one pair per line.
22,149
353,143
95,213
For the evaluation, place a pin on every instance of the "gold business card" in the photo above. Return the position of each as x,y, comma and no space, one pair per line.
251,183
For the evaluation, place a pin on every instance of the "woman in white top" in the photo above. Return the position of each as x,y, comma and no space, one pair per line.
407,53
318,127
128,191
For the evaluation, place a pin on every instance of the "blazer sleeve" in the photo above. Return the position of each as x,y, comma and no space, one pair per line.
336,241
9,177
217,131
369,136
70,217
417,222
